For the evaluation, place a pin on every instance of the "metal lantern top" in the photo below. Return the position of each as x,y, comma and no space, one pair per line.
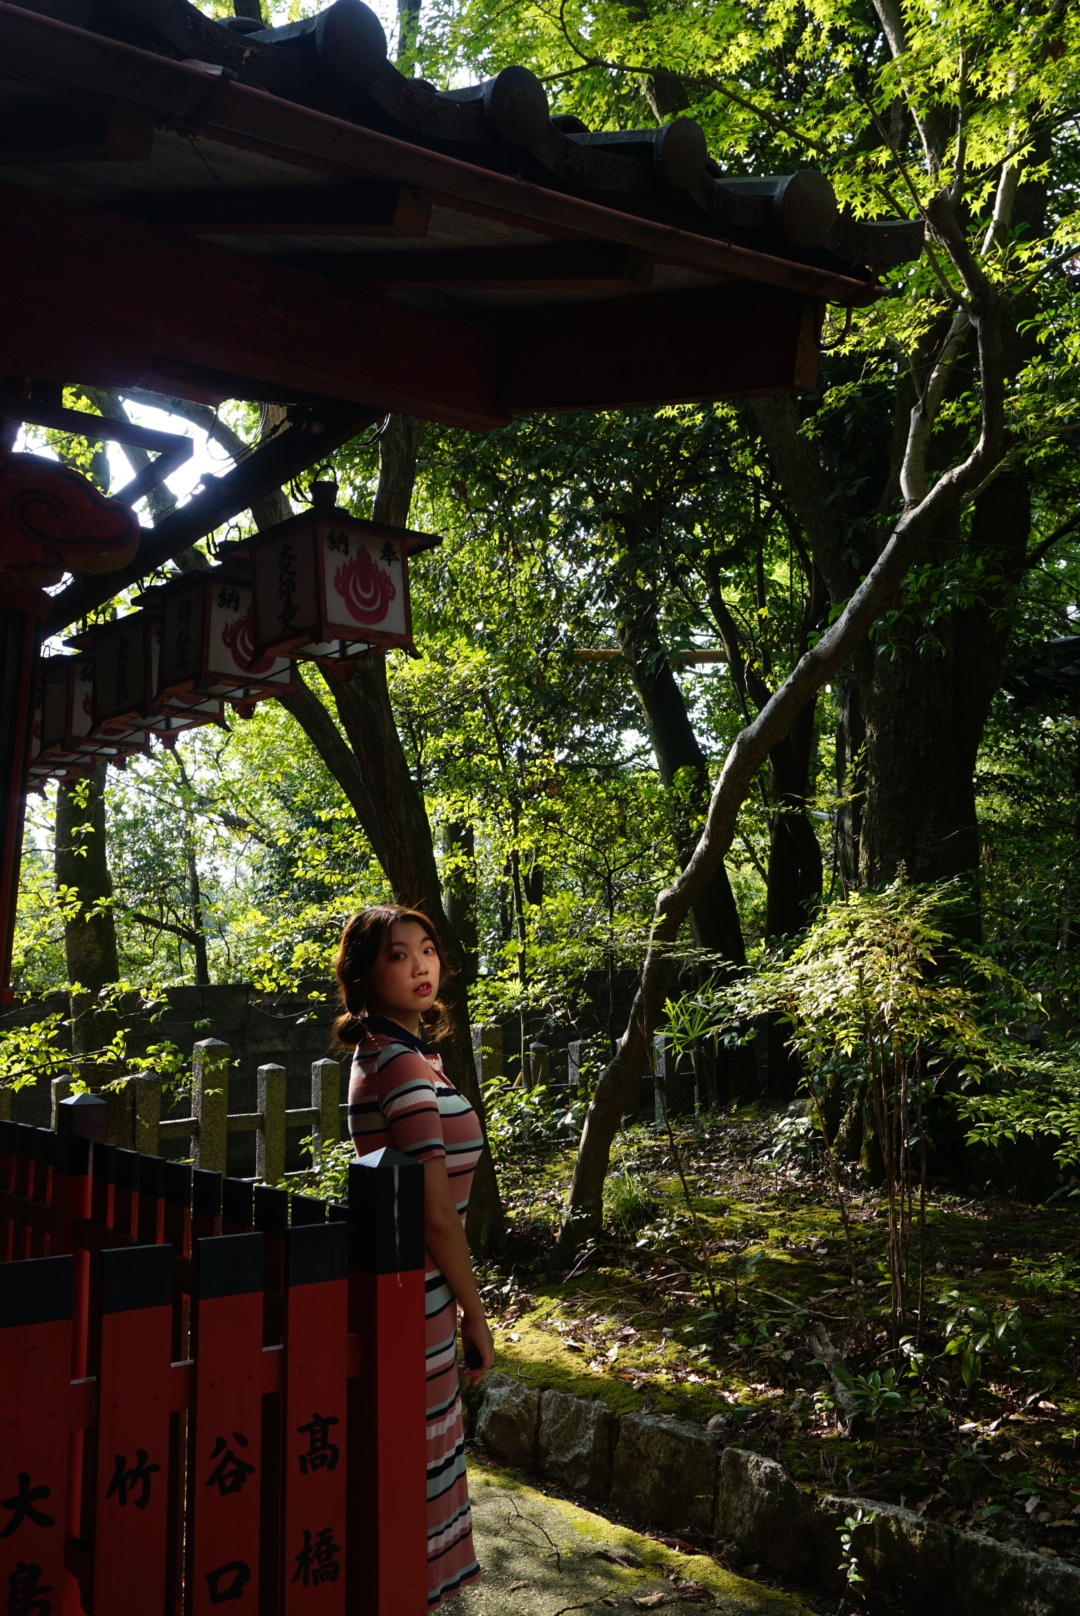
329,586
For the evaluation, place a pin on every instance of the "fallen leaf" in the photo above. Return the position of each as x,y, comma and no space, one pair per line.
515,1586
619,1557
649,1601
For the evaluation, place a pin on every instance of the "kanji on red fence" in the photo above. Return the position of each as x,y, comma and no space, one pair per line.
190,1417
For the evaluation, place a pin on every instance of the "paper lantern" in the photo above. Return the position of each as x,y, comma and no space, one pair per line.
206,645
329,587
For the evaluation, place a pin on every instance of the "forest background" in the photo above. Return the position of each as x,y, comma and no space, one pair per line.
887,890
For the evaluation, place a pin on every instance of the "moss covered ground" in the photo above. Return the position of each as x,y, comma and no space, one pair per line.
636,1324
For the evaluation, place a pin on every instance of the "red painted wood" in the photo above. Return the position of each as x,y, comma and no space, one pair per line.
130,1457
667,348
7,1181
181,301
35,1369
387,1471
19,640
314,1456
225,1459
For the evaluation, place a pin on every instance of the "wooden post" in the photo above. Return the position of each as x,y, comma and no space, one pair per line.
210,1104
5,1105
270,1139
326,1103
60,1089
147,1112
488,1051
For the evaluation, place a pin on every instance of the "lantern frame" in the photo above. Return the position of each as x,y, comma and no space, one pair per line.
299,608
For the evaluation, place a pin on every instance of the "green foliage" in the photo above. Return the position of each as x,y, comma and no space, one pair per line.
970,1332
520,1116
628,1204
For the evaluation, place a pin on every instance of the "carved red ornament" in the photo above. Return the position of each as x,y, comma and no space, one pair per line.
365,587
53,520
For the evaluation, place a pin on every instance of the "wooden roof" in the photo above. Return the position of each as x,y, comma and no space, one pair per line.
217,209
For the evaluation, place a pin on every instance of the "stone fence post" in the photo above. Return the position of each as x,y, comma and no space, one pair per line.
210,1104
487,1039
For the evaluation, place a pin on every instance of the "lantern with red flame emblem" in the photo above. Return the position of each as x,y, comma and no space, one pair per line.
206,643
329,587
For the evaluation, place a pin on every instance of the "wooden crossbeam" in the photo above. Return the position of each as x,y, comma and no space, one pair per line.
364,208
79,129
566,266
667,348
98,294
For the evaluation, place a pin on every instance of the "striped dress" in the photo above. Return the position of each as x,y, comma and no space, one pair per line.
400,1097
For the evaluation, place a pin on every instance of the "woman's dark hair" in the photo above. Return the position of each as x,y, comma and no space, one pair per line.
363,940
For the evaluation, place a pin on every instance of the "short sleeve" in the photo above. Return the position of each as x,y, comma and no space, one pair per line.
407,1099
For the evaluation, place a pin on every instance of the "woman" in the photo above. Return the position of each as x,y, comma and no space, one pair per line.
389,967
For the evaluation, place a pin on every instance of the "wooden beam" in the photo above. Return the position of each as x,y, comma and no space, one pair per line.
307,439
667,348
80,129
365,208
72,273
571,265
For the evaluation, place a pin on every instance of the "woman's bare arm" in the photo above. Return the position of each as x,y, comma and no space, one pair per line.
447,1243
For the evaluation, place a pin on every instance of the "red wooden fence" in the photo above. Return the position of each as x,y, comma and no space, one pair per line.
211,1393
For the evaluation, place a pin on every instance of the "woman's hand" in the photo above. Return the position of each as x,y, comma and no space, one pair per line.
476,1343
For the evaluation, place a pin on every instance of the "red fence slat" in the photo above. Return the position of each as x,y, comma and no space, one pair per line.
315,1420
131,1452
387,1405
35,1370
225,1453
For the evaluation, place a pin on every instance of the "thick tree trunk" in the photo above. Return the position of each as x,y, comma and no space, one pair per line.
925,707
81,864
374,773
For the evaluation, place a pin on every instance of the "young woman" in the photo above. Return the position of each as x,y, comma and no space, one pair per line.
388,968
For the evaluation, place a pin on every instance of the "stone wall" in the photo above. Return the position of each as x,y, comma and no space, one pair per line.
667,1473
291,1031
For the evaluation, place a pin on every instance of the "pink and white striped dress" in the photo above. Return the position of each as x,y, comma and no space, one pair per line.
400,1097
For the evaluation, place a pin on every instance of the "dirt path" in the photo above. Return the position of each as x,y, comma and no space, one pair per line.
542,1557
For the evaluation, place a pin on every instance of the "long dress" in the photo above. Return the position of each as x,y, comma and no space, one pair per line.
400,1097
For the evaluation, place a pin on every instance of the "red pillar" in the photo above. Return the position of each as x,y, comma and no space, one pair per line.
20,632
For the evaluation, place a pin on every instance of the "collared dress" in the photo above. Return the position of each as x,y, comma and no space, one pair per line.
400,1097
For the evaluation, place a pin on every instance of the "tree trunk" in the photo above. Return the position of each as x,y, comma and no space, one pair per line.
714,918
202,964
374,773
459,886
925,708
81,865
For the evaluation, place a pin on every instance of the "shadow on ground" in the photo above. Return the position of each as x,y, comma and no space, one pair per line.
544,1557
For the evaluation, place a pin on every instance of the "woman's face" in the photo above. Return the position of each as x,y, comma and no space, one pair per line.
405,977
